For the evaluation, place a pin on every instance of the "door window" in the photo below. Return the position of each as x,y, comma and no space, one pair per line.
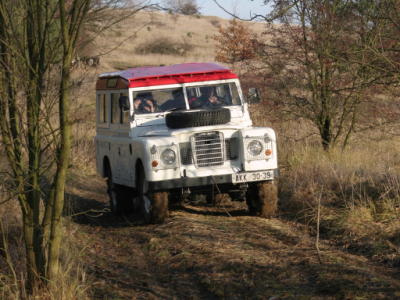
124,114
114,108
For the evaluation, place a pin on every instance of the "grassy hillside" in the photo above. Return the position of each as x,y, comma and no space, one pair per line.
145,27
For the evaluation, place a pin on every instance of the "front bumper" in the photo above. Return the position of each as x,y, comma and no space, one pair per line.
187,182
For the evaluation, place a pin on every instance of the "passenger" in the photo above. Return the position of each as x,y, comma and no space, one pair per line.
145,104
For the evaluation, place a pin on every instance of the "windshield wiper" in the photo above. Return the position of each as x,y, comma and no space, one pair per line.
175,108
169,110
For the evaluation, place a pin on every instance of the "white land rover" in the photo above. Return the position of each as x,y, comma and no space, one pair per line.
167,132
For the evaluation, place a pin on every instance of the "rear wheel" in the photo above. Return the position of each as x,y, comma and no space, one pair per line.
154,205
120,196
262,199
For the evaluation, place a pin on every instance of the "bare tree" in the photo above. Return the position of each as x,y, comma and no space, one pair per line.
37,40
386,17
280,8
318,63
184,7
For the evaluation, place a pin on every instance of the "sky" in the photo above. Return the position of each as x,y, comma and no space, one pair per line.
243,7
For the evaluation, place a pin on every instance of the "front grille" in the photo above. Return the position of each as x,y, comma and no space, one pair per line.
228,149
231,146
186,153
231,151
208,149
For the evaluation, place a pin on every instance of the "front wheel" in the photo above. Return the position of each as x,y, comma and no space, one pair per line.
154,205
262,199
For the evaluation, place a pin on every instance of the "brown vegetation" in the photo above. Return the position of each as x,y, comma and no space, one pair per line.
205,252
233,43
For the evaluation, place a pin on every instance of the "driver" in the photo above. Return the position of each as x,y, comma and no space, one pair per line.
145,104
208,98
177,101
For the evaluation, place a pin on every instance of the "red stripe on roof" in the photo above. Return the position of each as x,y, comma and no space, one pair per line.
178,79
180,73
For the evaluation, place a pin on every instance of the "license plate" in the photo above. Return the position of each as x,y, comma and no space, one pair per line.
252,176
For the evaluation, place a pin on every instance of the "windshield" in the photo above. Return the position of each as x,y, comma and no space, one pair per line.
153,101
224,94
201,96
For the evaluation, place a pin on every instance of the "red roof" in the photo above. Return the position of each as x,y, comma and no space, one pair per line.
182,73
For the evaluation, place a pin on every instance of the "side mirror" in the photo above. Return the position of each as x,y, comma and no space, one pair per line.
124,103
253,96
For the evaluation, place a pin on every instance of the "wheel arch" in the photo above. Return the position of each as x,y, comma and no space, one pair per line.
106,162
138,167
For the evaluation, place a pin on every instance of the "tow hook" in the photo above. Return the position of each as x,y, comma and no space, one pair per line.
185,194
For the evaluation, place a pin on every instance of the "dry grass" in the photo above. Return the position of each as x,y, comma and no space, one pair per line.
72,282
360,188
240,257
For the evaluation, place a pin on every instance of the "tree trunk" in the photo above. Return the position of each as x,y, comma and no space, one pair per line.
32,271
326,134
70,32
36,54
62,166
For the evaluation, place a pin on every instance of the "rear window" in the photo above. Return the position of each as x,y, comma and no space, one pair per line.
112,82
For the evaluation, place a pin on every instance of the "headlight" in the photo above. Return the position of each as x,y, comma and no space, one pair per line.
254,148
168,156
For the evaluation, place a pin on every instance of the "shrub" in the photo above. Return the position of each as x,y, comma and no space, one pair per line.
166,46
188,7
215,22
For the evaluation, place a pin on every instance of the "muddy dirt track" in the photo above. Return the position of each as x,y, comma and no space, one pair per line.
204,252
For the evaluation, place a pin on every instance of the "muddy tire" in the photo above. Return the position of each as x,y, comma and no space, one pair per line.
120,196
154,205
262,199
198,117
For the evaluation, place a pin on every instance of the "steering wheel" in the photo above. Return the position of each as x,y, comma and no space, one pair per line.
223,101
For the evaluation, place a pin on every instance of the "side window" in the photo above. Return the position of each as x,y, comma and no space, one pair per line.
103,108
235,94
114,108
124,114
